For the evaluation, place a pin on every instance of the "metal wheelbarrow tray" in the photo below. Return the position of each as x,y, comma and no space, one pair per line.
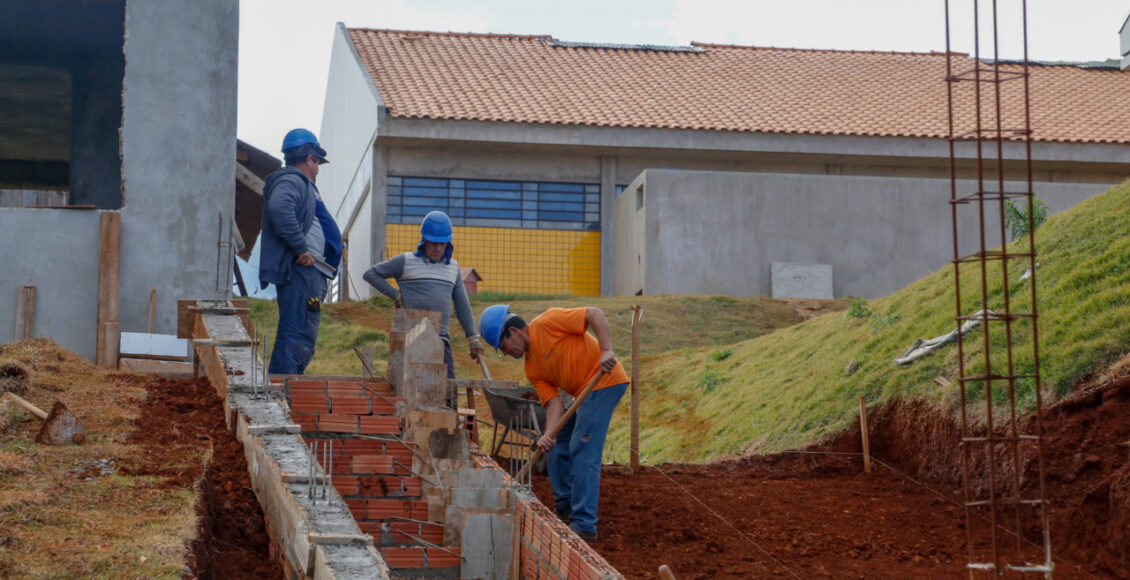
509,408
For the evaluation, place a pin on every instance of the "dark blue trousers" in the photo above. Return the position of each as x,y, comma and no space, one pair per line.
298,325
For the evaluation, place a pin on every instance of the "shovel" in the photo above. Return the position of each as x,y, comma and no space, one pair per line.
553,431
59,428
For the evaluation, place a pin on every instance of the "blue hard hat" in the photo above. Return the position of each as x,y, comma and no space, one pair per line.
436,227
491,322
299,137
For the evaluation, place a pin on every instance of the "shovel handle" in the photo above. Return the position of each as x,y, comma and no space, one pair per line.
572,410
483,365
31,408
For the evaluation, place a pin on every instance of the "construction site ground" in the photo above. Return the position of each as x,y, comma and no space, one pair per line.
815,513
125,504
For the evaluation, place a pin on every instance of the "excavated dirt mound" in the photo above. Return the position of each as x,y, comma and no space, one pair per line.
179,420
814,513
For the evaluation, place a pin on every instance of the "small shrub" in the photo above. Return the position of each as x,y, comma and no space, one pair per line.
721,355
858,309
687,353
710,380
1016,216
880,322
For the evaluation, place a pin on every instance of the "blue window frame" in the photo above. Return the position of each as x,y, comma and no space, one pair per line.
489,203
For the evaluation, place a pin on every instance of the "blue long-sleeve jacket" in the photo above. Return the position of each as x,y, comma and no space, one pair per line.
291,200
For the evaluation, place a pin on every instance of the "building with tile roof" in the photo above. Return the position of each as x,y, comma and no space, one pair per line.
749,156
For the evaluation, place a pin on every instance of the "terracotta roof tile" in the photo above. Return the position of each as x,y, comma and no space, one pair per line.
535,79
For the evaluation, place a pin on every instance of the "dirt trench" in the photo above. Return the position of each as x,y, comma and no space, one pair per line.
814,513
180,420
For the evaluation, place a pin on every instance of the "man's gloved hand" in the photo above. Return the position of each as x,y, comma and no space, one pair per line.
476,347
398,302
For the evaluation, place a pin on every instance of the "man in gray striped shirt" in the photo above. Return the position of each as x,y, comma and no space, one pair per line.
429,280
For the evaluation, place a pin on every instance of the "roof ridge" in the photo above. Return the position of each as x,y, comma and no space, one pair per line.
456,34
834,50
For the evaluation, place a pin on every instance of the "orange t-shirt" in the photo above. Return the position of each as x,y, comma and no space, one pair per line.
563,356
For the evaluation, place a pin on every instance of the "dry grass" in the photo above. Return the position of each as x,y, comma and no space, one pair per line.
66,512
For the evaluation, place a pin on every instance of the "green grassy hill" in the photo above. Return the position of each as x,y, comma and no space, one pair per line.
789,388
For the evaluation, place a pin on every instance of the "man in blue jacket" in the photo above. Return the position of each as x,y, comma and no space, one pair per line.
300,250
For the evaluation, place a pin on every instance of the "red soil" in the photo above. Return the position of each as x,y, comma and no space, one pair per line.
818,515
179,420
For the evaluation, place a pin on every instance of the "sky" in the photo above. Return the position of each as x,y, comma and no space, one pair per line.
284,45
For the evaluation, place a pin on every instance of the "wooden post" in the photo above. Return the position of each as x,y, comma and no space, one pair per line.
637,314
863,432
152,308
239,279
109,261
25,313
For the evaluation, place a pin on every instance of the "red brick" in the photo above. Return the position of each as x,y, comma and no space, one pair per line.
372,464
344,389
383,509
403,557
308,403
334,423
308,422
347,485
371,528
307,387
364,447
382,486
413,487
342,404
380,425
382,407
359,508
443,559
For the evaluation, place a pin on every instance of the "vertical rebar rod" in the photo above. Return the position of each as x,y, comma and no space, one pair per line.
310,469
1035,311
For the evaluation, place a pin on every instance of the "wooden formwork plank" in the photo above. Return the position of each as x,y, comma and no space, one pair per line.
109,264
209,359
25,313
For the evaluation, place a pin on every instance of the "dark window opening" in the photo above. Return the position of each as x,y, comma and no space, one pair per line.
61,72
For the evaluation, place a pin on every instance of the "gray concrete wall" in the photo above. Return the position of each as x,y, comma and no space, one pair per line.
57,252
177,174
719,232
178,152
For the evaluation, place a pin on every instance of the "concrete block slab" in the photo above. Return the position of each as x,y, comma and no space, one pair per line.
793,280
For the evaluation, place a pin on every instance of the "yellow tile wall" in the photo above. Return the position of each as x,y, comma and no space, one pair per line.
519,260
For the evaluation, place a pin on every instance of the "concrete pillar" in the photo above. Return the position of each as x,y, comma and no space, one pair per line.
379,207
607,196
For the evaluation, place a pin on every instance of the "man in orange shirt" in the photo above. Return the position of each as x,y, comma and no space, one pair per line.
560,355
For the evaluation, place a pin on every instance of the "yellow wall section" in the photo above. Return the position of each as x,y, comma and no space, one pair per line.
519,260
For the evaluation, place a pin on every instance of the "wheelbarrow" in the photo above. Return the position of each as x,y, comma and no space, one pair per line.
512,408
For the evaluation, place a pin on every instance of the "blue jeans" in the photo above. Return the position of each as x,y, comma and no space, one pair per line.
449,360
298,325
574,463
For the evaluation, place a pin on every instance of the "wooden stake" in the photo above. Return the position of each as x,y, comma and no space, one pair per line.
665,573
109,262
863,432
637,315
25,313
152,307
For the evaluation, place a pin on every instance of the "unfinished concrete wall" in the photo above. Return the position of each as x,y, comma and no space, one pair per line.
177,110
178,152
719,232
